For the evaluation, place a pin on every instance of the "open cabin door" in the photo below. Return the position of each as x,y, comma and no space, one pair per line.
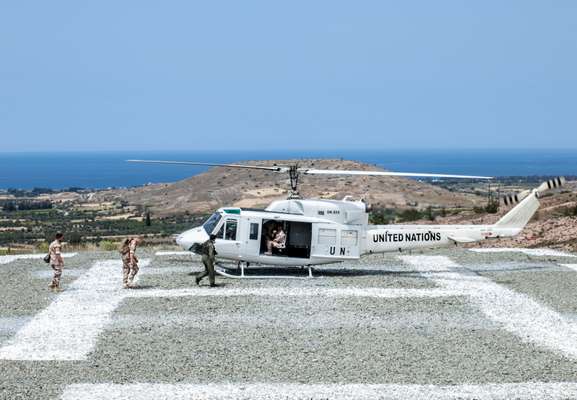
297,242
333,241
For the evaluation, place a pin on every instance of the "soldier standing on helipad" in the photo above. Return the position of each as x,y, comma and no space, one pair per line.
208,259
129,261
56,260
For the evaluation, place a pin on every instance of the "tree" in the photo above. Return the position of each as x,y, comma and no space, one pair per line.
429,214
147,219
9,206
74,238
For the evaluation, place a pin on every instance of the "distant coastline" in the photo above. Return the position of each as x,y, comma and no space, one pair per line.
98,170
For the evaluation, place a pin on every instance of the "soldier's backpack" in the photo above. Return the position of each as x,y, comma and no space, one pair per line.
199,249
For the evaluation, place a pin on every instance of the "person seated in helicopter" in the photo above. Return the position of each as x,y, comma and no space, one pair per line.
278,241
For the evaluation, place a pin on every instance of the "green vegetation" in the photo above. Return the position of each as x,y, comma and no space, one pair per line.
569,211
31,222
108,245
384,216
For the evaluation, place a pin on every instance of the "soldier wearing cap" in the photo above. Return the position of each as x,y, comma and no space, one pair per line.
56,260
208,259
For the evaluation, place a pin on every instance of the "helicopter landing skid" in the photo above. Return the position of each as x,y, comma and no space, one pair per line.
241,273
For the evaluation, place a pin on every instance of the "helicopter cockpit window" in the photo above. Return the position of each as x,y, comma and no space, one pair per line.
230,230
253,231
211,223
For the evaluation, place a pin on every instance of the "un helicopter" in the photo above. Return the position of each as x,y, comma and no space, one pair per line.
321,231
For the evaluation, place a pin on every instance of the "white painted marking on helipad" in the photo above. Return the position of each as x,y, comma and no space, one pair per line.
297,292
516,312
173,253
529,252
570,266
47,274
11,258
154,391
68,328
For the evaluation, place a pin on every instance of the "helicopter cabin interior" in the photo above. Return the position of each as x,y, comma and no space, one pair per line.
285,238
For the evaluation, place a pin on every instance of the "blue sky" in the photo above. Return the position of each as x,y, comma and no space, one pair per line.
140,75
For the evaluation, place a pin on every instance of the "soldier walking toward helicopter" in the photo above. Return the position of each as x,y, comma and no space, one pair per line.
208,259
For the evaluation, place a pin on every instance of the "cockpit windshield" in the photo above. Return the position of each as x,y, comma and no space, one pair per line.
211,223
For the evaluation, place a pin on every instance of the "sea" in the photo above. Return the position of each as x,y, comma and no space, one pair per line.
99,170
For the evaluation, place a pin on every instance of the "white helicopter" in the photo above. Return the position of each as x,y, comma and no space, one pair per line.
318,231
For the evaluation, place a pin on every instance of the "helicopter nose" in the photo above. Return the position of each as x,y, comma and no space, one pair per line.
188,239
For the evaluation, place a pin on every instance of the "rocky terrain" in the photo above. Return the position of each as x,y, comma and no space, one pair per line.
554,225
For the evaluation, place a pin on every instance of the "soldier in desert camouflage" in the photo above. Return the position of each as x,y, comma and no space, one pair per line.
56,260
129,261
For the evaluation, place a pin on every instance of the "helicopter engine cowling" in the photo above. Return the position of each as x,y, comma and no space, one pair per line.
344,211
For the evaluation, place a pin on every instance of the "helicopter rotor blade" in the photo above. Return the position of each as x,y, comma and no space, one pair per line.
243,166
387,173
309,171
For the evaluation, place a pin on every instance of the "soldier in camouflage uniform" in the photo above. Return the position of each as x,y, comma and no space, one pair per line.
129,261
208,259
56,261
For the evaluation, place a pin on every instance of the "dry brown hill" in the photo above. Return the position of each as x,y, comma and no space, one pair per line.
252,188
554,225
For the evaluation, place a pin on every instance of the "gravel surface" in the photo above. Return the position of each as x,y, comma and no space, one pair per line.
293,340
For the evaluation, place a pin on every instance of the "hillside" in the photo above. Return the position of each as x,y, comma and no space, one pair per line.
554,225
252,188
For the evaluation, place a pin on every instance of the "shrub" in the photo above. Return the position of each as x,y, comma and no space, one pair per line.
108,245
410,214
492,207
569,211
382,216
42,247
74,238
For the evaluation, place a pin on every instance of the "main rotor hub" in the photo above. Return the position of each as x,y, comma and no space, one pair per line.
294,181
